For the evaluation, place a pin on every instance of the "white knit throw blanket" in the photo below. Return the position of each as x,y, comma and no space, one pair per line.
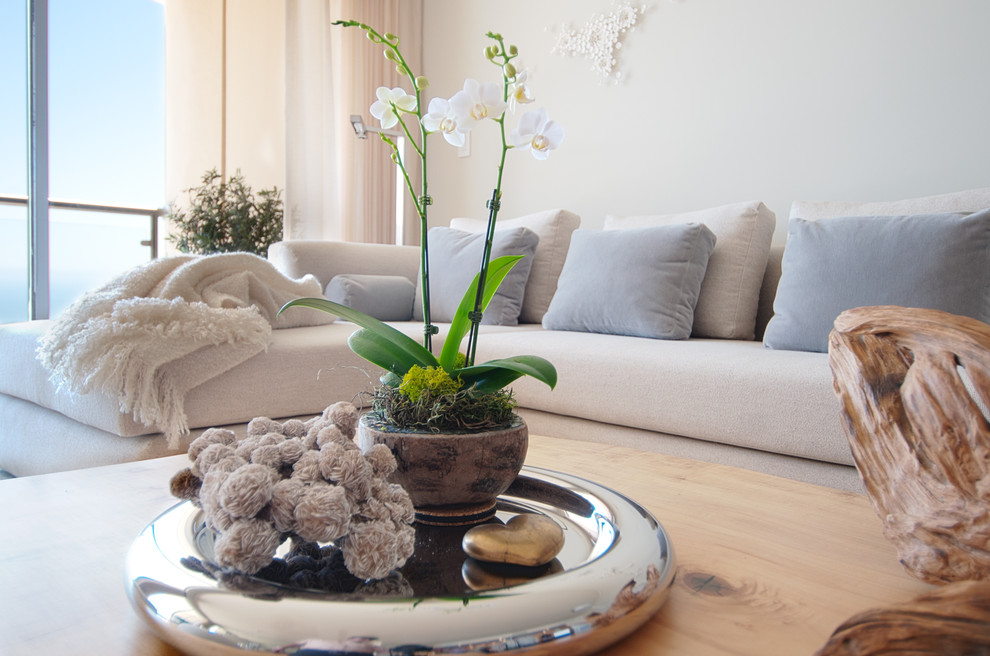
149,336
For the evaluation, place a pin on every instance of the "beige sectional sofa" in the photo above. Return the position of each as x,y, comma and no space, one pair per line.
726,399
720,400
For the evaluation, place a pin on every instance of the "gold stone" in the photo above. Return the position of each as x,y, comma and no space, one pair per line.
527,539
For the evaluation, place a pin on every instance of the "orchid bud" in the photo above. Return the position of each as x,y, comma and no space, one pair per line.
422,83
509,70
395,158
391,37
390,54
513,51
490,53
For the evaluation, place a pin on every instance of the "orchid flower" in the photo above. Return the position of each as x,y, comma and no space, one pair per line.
453,118
390,100
477,101
538,133
519,92
442,118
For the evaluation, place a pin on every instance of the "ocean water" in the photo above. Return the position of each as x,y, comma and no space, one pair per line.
13,299
13,293
87,250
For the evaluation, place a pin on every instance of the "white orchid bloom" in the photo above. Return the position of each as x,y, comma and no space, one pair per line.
538,133
442,118
390,100
519,92
476,102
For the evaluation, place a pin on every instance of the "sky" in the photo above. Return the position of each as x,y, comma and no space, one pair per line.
106,139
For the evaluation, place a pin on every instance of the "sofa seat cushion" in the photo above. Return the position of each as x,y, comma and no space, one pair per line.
304,370
727,391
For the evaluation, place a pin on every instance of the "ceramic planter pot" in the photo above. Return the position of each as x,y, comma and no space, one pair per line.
452,478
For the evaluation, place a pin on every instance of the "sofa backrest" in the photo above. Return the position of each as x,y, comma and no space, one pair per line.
326,259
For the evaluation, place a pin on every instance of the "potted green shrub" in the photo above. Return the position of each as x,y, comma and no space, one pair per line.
428,408
226,217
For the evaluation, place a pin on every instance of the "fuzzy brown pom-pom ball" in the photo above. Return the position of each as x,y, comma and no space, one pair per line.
185,485
304,479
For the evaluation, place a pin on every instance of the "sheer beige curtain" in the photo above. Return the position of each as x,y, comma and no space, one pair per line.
337,186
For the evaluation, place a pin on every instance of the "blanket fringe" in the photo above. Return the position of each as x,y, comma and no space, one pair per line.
147,351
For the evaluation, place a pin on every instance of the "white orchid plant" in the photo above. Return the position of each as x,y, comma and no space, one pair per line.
412,367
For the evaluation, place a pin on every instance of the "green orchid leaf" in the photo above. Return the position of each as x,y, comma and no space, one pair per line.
379,343
383,352
493,380
493,375
461,324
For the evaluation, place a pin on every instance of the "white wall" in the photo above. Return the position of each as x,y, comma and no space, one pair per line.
727,100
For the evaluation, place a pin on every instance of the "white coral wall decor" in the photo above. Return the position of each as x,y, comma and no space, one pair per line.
600,39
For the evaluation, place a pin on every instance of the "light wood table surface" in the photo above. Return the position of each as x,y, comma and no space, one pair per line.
764,565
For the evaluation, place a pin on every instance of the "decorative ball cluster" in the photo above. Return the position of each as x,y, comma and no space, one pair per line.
600,38
299,479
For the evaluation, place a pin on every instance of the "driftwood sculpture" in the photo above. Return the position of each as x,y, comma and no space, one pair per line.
954,619
911,383
915,387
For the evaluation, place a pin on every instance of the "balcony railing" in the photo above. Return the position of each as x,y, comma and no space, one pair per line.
153,214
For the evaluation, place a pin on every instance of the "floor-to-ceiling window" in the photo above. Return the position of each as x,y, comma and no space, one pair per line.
105,144
13,161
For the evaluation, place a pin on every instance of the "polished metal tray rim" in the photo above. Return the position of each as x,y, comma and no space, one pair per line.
602,595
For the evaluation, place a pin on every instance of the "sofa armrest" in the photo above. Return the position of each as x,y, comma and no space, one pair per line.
326,259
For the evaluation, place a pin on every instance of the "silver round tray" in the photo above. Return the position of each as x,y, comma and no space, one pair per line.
612,575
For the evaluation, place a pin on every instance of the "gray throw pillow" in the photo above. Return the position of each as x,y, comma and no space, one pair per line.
730,292
935,261
386,298
455,259
642,282
554,228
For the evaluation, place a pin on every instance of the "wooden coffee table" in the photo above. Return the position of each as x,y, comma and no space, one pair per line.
765,565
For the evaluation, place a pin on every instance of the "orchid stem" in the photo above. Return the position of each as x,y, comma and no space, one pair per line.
421,200
493,206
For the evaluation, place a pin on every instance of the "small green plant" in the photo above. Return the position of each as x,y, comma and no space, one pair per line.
443,408
429,398
225,217
433,381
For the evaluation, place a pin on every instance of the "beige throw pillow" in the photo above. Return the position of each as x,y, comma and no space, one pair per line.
554,228
730,292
